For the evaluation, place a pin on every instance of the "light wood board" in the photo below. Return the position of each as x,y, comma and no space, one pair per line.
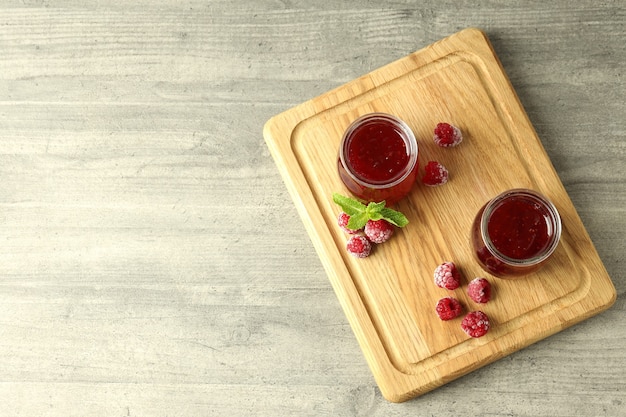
389,297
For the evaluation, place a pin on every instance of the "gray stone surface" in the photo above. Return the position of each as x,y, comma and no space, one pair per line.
151,261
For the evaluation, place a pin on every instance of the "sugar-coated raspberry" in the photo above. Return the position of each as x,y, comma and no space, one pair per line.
436,174
475,324
479,290
447,135
342,221
448,308
378,231
447,276
359,246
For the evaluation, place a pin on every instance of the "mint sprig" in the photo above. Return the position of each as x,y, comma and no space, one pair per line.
360,213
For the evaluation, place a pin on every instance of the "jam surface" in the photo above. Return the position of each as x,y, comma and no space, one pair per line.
377,152
519,228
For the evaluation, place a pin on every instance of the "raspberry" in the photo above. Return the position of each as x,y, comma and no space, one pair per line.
475,324
447,135
479,290
448,308
342,221
436,174
447,276
378,231
359,246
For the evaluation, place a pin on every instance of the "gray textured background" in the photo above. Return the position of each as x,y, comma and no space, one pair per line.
151,261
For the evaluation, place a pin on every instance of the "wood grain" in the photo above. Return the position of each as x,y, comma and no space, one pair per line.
134,181
389,297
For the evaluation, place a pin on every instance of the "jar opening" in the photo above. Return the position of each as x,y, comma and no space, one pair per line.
520,227
378,151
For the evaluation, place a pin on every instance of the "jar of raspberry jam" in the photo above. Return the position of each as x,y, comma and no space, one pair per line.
378,158
515,233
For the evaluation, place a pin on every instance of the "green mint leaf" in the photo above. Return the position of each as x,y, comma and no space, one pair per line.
375,208
360,213
394,217
375,216
349,205
357,221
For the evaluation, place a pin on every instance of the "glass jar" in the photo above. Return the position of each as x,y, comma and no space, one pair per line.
378,158
515,233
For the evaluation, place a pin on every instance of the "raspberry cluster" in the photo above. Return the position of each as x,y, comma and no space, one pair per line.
445,135
371,223
475,323
375,231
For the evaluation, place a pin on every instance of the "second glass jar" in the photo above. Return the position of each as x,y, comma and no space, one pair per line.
515,233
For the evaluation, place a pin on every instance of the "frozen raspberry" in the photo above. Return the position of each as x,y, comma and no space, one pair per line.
447,135
359,246
342,221
448,308
475,324
378,231
447,276
479,290
436,174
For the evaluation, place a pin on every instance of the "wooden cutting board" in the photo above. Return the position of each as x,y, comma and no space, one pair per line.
389,297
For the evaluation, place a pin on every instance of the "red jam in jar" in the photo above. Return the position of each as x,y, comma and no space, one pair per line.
378,158
515,233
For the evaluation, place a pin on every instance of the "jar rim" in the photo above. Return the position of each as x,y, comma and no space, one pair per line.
554,224
407,136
